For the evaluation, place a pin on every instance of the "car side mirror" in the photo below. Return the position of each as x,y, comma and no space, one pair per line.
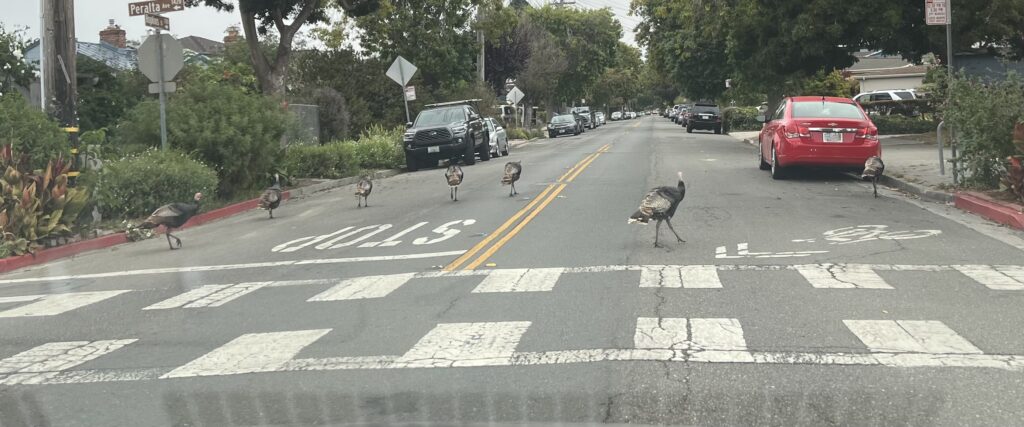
408,125
761,118
474,117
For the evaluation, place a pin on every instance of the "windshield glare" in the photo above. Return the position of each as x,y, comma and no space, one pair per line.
440,116
826,109
562,119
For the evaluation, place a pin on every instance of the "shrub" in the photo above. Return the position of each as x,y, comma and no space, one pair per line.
136,185
30,132
237,133
901,125
380,148
741,119
983,114
35,205
334,160
517,133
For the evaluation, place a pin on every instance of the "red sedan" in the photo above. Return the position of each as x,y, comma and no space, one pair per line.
817,131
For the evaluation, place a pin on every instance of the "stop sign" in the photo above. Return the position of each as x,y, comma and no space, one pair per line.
149,57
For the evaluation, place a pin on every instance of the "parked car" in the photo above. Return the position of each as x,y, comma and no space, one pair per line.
445,131
584,111
681,116
600,118
704,116
616,115
564,124
498,136
819,131
885,95
888,102
585,119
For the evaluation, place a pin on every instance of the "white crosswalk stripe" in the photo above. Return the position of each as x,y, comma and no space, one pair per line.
218,295
364,287
910,336
37,365
701,339
264,352
1006,278
686,276
54,304
842,276
520,280
466,344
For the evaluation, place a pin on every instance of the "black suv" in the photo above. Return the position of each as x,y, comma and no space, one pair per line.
704,116
449,130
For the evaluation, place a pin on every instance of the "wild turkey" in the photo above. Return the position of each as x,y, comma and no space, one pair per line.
271,197
363,189
873,170
454,177
660,205
172,216
512,172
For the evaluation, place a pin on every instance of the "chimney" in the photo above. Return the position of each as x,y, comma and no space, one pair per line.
232,35
113,35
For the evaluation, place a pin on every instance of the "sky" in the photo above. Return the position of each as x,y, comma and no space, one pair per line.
91,16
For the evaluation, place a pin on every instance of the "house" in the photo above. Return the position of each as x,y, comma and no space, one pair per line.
112,49
878,71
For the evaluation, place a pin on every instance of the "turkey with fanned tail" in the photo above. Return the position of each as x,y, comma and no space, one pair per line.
512,172
660,205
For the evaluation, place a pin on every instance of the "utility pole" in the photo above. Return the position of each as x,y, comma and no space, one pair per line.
59,73
480,61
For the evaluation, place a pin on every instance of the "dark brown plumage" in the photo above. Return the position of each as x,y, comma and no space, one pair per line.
271,197
363,189
172,216
873,170
512,172
660,205
454,177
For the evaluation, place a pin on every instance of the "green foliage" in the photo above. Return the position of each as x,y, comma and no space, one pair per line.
237,132
380,148
739,119
983,115
30,131
829,84
902,125
35,205
587,37
136,185
14,70
137,130
517,133
330,161
105,95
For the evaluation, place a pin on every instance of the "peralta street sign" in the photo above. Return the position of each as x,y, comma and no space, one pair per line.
155,6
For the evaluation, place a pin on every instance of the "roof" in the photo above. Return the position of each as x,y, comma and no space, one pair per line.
875,60
114,57
905,71
202,45
821,98
987,67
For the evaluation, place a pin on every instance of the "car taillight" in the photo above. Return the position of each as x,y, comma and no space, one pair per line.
870,134
793,132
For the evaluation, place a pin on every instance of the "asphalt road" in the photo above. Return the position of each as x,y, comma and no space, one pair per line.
797,302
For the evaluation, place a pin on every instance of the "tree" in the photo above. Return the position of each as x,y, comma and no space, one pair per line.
588,39
544,67
104,94
30,131
14,70
260,16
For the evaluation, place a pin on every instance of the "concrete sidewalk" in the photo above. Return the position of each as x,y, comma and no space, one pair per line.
911,165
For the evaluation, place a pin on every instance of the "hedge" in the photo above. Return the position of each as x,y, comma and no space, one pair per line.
136,185
902,125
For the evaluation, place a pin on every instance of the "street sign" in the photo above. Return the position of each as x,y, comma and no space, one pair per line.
157,21
514,96
401,71
155,6
149,57
410,93
168,87
936,12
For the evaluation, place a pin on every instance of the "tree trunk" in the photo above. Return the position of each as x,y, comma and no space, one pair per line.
272,76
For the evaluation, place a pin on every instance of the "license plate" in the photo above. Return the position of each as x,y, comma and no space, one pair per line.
562,131
832,137
433,149
703,117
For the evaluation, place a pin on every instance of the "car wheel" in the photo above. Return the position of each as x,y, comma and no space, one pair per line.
763,165
718,130
551,135
777,171
507,149
689,129
485,152
469,158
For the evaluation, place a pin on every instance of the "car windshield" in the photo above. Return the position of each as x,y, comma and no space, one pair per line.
440,116
826,109
566,118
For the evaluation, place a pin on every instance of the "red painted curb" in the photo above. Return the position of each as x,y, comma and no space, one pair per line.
47,255
1010,214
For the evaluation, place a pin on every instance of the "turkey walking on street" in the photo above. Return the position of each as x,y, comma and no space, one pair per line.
873,170
271,197
172,216
363,189
660,205
454,177
512,172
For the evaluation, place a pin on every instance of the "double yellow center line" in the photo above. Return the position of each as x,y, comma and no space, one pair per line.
527,214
